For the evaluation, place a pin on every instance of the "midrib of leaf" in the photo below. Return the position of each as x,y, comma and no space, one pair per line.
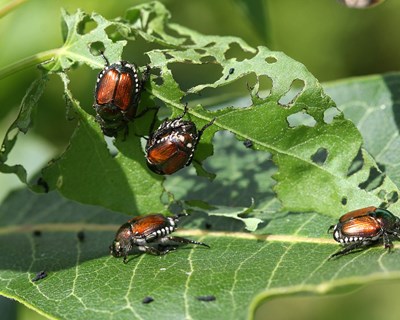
187,286
75,227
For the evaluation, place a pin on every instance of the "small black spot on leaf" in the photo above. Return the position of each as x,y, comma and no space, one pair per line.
40,275
206,298
147,300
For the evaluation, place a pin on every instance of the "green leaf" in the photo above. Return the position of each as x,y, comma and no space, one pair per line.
251,224
371,102
77,44
290,255
287,255
303,184
289,121
21,124
100,171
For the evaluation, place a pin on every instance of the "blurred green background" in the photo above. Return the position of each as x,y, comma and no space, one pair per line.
331,40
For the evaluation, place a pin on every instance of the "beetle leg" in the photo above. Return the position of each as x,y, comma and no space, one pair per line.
199,134
145,76
155,251
186,241
396,234
126,132
125,256
350,247
330,228
387,242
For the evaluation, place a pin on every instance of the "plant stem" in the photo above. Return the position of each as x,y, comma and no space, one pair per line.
10,7
27,62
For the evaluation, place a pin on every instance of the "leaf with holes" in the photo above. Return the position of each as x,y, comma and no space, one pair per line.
371,102
78,45
316,155
99,171
287,255
21,124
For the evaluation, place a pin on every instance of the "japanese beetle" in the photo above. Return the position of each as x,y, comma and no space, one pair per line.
364,227
171,147
117,95
144,230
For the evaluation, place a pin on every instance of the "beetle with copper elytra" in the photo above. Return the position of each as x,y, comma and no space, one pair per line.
364,227
144,230
117,95
171,147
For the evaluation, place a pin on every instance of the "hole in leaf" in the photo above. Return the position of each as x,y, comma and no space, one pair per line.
344,201
132,15
187,40
382,194
270,59
392,197
209,45
168,56
320,156
356,164
113,34
111,147
375,179
301,119
96,47
158,80
237,52
265,86
200,51
235,94
330,114
208,59
289,97
12,134
86,25
190,75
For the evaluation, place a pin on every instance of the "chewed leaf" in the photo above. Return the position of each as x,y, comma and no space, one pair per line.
321,166
292,127
371,102
103,179
78,43
240,214
21,124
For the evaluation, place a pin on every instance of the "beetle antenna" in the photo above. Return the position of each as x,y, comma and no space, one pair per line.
183,214
204,128
185,110
105,58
